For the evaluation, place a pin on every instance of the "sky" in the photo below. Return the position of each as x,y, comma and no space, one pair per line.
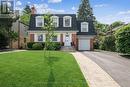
105,11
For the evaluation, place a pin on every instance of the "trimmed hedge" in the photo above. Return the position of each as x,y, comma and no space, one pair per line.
36,45
123,40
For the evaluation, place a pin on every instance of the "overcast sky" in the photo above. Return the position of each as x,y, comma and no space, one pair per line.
106,11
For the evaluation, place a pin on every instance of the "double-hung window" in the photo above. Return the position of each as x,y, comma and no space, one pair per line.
39,21
67,21
84,27
55,20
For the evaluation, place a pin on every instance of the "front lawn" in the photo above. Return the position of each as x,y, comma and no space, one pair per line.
31,69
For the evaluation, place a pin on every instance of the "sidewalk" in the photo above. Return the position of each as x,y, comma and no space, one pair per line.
94,75
12,51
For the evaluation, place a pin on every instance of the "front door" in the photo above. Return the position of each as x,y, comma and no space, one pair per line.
67,40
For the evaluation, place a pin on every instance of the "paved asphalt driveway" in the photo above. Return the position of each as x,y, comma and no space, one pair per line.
116,66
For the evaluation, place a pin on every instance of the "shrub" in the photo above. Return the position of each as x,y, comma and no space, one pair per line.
37,46
30,44
108,43
54,46
123,40
101,43
96,44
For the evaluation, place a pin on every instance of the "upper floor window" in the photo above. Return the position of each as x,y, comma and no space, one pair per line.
55,20
39,21
84,27
67,21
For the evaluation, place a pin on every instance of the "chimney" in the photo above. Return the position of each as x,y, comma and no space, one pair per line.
33,10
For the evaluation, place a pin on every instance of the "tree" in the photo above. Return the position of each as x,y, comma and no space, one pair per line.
116,24
7,37
101,28
49,29
25,18
27,10
3,38
13,37
85,11
123,40
26,15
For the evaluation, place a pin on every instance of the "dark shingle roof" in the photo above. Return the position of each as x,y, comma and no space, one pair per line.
32,25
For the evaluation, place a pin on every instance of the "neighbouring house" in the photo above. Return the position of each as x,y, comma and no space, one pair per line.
8,16
69,30
112,31
21,28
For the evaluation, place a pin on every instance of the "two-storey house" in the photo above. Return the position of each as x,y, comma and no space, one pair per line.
69,30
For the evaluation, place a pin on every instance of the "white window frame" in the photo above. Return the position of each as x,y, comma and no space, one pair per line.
84,25
67,17
37,20
36,37
56,21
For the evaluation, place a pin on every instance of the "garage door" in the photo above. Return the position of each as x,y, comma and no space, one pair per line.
84,44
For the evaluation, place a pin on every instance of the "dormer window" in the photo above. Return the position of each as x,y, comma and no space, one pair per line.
67,21
55,20
39,21
84,27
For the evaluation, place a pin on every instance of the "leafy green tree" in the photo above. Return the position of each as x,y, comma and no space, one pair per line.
116,24
123,40
25,17
27,10
85,11
101,28
49,29
3,38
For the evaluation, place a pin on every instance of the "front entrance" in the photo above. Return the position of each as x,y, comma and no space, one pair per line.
67,40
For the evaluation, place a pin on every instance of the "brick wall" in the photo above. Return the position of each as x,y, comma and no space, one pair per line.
91,44
75,40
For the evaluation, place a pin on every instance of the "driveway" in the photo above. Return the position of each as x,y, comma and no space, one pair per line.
116,66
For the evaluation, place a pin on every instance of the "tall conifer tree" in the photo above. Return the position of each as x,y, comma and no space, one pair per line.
85,11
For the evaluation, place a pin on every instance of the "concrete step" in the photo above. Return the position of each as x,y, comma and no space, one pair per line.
68,48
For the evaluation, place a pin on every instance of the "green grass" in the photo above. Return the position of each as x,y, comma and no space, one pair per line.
31,69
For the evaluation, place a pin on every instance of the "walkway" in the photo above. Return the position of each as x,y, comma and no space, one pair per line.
95,75
12,51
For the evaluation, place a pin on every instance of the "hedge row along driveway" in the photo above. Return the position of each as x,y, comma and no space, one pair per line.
31,69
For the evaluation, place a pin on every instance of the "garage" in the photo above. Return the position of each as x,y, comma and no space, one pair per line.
84,44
